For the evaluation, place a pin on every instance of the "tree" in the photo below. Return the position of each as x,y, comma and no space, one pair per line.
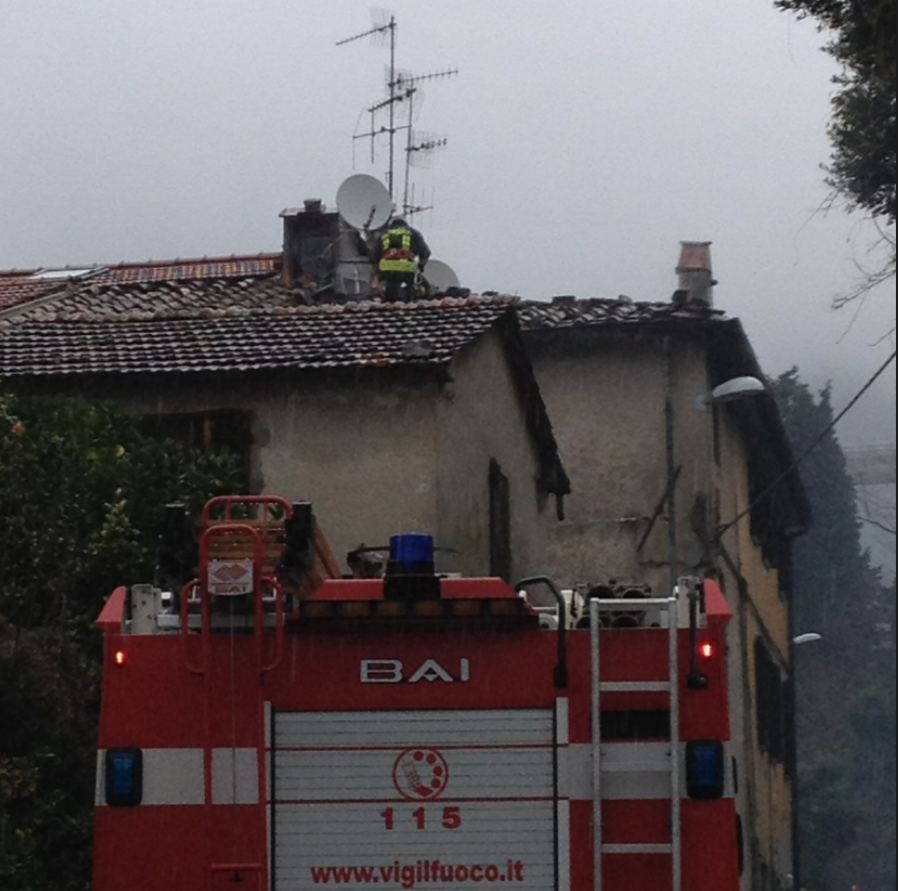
862,169
82,499
864,126
845,685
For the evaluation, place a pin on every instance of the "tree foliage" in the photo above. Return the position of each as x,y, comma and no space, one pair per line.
82,499
863,166
846,684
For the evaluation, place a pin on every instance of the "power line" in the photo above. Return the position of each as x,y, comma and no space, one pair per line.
879,525
798,461
871,465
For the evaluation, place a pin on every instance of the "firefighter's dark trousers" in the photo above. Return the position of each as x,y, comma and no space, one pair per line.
400,287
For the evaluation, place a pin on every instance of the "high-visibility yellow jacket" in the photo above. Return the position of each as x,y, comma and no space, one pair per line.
397,255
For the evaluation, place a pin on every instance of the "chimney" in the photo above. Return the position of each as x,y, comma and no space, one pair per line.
324,254
696,280
310,234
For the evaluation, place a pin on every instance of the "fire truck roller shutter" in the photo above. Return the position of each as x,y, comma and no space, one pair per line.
443,799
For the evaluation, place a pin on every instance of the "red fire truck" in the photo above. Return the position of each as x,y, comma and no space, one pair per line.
275,726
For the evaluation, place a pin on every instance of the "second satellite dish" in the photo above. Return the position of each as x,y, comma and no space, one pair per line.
364,202
441,276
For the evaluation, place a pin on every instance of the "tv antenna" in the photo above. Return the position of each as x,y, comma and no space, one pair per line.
416,205
402,88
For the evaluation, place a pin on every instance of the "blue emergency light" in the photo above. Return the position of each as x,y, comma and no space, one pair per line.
412,553
705,770
124,777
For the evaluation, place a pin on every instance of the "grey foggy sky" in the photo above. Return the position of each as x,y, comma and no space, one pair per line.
586,140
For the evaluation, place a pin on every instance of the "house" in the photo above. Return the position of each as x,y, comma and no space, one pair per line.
629,389
389,418
441,416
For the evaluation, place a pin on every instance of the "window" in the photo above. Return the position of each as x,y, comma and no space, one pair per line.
767,513
205,431
64,275
500,523
771,706
790,748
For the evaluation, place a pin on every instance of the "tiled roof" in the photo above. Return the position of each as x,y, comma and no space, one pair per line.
235,313
143,301
186,289
247,339
18,288
566,312
112,289
193,270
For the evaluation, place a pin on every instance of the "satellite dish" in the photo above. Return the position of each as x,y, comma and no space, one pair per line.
364,202
441,276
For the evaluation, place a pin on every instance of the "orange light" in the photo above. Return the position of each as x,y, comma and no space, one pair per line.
120,657
707,651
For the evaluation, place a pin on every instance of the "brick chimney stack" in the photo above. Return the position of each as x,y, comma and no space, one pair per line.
694,271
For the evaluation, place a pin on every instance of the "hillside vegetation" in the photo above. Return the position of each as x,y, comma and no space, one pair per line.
846,683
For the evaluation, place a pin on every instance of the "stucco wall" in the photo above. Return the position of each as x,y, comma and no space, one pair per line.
607,403
606,396
379,453
766,795
763,615
481,419
363,455
361,450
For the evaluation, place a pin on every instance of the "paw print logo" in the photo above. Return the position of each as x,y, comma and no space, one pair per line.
421,774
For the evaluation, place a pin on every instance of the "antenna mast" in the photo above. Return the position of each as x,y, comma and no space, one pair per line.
426,144
390,28
401,88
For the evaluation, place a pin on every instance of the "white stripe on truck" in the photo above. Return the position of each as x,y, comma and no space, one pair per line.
175,777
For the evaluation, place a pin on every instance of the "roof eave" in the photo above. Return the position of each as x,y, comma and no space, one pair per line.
553,476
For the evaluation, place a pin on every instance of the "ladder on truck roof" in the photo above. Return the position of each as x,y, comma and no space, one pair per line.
670,607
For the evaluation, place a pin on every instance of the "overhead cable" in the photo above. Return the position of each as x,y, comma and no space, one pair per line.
722,530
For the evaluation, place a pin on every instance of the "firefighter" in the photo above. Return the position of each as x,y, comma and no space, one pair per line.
399,254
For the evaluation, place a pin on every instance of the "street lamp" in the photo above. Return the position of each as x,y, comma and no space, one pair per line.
730,391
